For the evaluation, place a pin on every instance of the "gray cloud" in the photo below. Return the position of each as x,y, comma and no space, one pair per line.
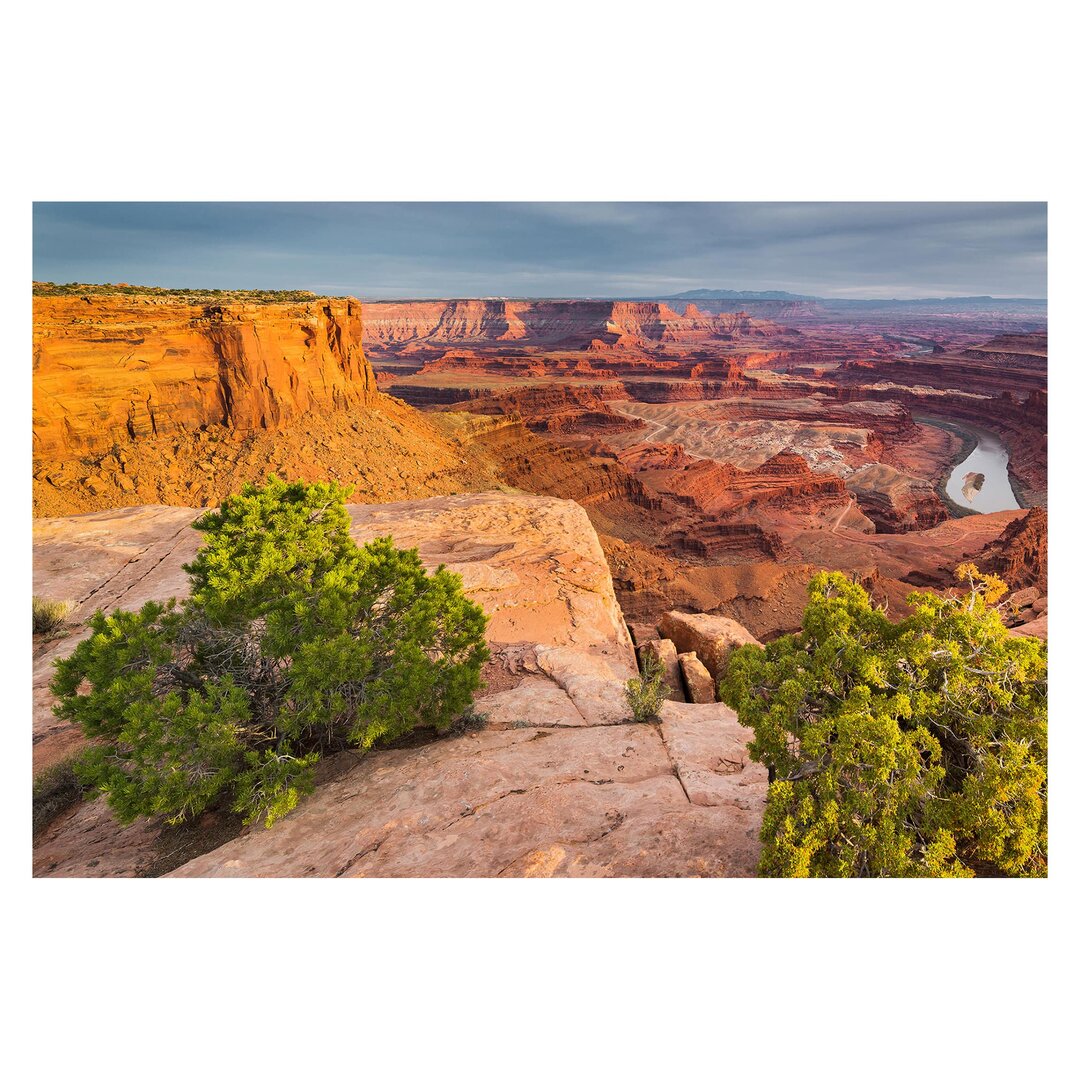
551,249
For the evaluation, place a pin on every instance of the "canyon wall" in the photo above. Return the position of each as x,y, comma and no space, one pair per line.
570,323
143,397
1019,555
112,369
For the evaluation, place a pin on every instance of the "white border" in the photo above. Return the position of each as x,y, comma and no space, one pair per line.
583,101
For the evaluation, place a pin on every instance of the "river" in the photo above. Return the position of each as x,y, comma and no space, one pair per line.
981,481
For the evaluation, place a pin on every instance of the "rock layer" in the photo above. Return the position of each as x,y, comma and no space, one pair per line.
1019,555
148,399
548,322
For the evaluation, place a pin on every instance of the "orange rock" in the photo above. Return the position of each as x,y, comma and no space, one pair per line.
113,369
1019,554
710,637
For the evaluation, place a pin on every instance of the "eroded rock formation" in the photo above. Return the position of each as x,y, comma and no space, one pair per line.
141,399
894,501
564,323
1019,554
112,369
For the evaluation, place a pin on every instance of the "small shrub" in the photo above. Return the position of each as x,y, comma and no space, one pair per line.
50,615
647,693
55,789
469,720
294,642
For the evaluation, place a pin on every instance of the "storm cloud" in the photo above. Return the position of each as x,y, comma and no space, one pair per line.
380,250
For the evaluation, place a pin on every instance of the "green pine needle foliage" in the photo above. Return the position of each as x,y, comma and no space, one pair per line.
908,749
294,642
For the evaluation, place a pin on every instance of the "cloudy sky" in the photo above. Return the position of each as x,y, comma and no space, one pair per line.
550,249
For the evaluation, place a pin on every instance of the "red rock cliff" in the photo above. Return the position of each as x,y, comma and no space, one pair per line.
393,324
111,369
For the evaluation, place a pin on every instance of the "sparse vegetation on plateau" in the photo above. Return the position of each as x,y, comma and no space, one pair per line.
908,749
294,642
50,615
647,693
249,296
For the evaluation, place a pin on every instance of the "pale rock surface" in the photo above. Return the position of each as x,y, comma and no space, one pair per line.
588,679
557,784
533,563
712,637
592,802
709,748
699,683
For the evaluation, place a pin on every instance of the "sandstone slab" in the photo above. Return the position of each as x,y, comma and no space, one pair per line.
590,802
708,747
700,687
534,702
592,681
557,784
533,563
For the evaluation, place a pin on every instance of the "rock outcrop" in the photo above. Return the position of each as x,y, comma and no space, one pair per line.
716,488
558,783
112,369
711,637
545,467
144,399
894,501
1019,555
567,323
557,409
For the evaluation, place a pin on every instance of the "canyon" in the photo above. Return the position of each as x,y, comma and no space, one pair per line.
592,469
783,438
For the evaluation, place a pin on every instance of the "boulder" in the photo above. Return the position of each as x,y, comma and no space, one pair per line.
699,683
663,650
1036,628
1023,598
712,637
